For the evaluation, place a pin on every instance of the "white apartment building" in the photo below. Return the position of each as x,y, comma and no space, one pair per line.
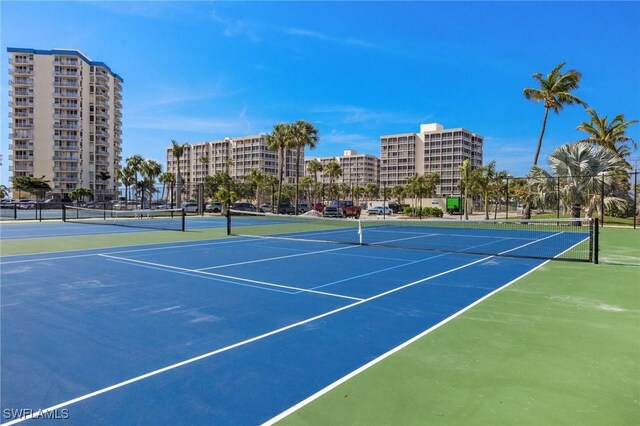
236,156
433,149
66,119
357,169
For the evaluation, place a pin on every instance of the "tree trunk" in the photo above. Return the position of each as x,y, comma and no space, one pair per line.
544,125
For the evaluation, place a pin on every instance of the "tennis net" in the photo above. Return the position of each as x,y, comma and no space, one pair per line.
161,219
563,239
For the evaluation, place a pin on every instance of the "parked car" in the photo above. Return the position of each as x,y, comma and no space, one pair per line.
190,206
215,207
319,207
303,208
244,207
342,208
286,208
266,208
26,204
380,210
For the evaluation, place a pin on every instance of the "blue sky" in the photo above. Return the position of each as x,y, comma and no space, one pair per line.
198,71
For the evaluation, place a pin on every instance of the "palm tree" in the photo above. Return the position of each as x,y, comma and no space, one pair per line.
303,135
4,191
610,135
497,189
80,193
103,176
466,183
279,141
205,161
127,176
313,168
166,178
257,179
150,170
306,183
371,191
586,170
333,171
481,179
555,91
178,151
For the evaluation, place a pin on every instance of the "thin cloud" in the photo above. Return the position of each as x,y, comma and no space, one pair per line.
301,32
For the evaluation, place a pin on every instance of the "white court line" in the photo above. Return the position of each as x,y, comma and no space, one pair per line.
203,274
269,259
233,346
370,364
391,352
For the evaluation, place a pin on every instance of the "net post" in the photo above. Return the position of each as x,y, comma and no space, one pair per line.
183,216
360,231
228,214
596,241
64,212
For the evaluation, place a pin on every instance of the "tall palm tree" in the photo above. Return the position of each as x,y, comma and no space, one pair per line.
555,92
333,171
166,178
371,191
135,163
257,179
466,183
127,176
481,180
303,135
150,170
279,140
586,169
611,135
205,162
104,176
4,191
178,151
313,168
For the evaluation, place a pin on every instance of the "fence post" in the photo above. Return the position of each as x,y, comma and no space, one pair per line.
635,197
507,209
558,189
602,200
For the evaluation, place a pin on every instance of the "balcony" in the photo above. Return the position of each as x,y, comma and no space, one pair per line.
71,126
21,92
21,71
66,61
66,116
102,95
103,143
21,124
66,158
21,103
66,93
21,114
21,81
66,73
66,137
66,83
66,168
20,60
66,146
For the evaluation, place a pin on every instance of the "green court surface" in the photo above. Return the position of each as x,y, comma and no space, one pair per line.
559,346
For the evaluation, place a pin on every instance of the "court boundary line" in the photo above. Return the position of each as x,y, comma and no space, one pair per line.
401,346
387,354
262,285
156,372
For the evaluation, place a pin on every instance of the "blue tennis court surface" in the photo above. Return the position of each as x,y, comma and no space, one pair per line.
231,331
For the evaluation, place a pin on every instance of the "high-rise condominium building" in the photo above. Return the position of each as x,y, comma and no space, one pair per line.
433,150
66,120
236,156
357,169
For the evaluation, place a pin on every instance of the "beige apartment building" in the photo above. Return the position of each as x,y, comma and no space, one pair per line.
66,120
357,169
433,149
236,156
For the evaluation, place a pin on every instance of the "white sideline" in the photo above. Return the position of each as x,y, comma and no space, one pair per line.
391,352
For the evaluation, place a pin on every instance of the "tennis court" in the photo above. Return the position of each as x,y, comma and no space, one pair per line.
234,330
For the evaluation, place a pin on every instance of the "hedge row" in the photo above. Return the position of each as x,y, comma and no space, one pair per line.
426,211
